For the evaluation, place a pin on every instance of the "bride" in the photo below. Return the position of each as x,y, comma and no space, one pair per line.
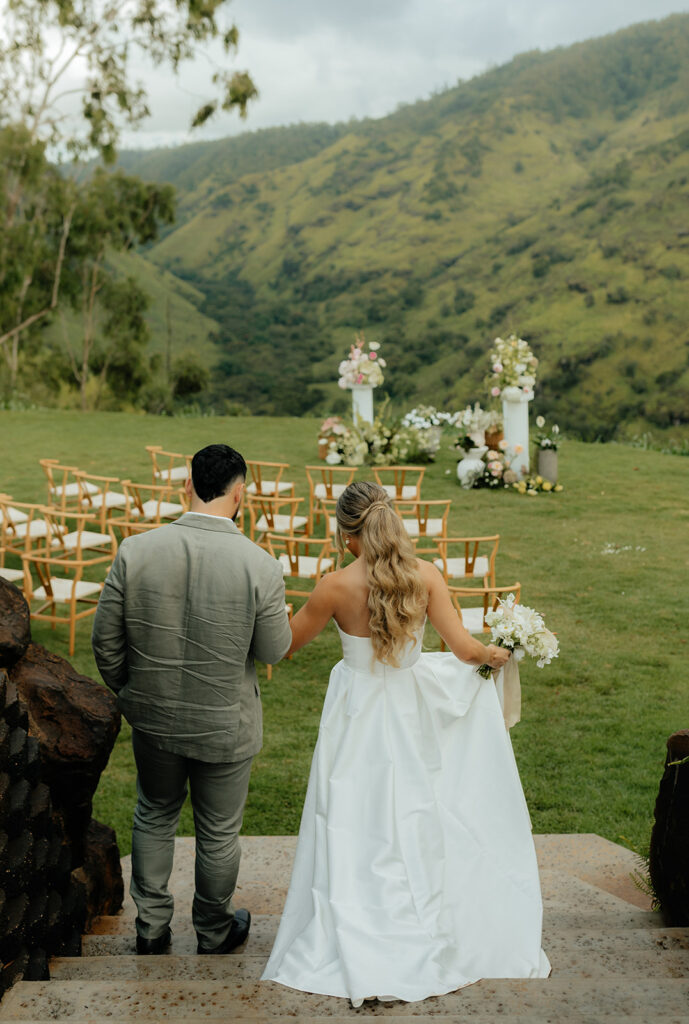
415,871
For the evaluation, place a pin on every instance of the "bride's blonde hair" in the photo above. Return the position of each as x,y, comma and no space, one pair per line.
397,597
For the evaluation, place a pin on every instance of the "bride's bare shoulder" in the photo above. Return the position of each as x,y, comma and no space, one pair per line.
429,573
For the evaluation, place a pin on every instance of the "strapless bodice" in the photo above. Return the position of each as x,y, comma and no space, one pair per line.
357,653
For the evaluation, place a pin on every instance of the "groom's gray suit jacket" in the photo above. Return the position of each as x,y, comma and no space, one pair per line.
185,610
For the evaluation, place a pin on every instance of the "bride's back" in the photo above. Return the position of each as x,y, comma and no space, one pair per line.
383,594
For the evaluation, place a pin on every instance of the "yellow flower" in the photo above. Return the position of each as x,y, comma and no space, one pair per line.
521,487
532,492
547,486
539,479
558,487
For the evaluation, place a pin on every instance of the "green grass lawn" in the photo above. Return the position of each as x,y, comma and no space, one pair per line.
591,742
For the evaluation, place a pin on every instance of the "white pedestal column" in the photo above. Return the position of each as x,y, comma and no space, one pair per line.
362,403
515,414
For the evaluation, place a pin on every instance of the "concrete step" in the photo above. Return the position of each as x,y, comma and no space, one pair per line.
373,1011
605,960
113,942
555,999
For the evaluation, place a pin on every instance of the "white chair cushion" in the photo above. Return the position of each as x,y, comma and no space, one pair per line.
111,499
408,492
63,588
14,515
11,575
268,487
332,525
319,490
154,508
472,619
36,528
434,527
307,566
89,539
281,524
72,490
456,567
176,473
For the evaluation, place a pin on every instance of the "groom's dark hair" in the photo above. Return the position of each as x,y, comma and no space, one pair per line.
214,469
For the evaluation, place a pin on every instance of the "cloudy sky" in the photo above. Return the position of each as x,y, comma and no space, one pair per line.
330,60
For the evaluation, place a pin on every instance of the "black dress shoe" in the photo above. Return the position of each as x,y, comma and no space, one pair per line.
153,947
238,933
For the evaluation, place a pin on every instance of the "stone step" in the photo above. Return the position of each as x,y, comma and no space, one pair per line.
578,999
372,1011
113,942
605,960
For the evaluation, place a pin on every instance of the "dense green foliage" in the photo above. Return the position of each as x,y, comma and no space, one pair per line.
545,197
603,561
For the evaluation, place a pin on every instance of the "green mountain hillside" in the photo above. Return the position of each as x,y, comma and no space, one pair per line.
548,197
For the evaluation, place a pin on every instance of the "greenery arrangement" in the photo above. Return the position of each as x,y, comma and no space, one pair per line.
387,441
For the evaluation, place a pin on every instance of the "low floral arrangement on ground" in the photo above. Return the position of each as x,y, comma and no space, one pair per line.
521,630
361,367
513,365
547,439
533,485
416,437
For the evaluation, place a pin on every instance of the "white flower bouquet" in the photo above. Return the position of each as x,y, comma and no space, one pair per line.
521,630
361,367
513,365
547,439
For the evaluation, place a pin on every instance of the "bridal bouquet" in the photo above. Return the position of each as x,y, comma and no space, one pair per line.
361,367
523,631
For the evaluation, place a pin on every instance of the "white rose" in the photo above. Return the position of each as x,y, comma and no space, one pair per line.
540,422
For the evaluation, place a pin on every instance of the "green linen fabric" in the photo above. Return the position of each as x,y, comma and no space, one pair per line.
185,610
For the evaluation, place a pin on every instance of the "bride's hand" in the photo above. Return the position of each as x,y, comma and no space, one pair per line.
496,657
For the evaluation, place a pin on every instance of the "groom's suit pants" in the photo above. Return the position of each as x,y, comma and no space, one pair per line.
218,795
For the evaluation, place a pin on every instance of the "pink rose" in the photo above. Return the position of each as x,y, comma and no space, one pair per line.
497,367
372,355
495,392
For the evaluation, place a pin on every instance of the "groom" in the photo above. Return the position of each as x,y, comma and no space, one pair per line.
185,610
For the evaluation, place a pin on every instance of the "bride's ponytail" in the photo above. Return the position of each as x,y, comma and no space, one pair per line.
396,595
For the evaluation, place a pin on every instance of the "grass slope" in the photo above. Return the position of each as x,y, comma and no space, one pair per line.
591,743
547,197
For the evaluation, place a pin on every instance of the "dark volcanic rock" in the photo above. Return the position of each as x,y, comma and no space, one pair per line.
669,857
101,872
76,722
15,624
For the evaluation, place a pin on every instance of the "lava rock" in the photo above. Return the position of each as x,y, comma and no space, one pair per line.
101,872
669,856
15,623
76,722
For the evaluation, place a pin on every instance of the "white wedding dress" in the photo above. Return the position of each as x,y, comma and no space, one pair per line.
415,871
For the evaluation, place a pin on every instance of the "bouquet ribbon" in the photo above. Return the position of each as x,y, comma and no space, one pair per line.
509,690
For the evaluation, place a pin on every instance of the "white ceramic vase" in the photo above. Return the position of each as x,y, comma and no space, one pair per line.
471,467
362,402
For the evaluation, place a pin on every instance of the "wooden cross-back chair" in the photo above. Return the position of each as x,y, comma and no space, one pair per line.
486,599
327,482
425,522
149,506
65,491
63,583
26,526
302,558
11,573
274,515
266,480
402,483
73,533
169,467
327,511
468,558
104,500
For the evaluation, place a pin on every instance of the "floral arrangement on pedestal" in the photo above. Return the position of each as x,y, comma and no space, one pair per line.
513,365
362,368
